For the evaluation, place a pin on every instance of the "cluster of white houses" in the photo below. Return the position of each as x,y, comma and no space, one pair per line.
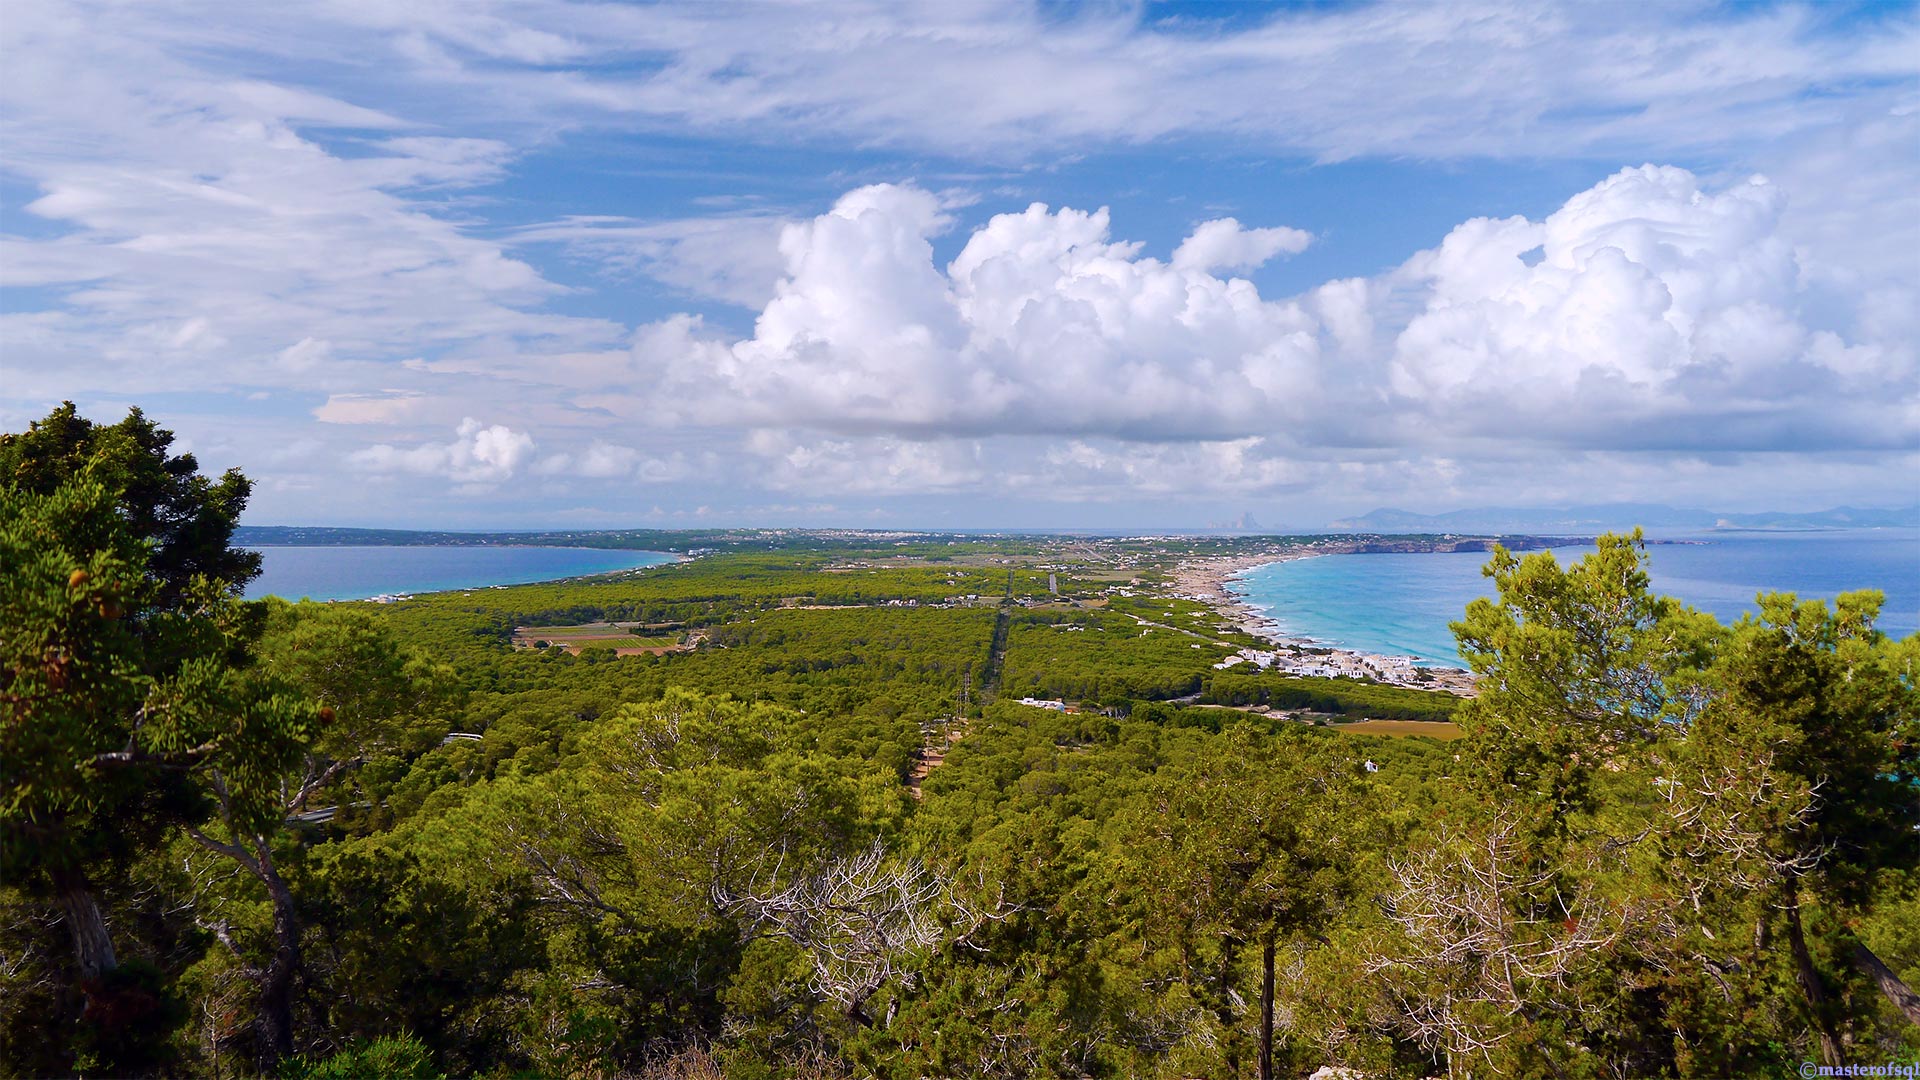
1337,664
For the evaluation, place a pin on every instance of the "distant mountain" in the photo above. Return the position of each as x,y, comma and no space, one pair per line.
1245,523
1589,519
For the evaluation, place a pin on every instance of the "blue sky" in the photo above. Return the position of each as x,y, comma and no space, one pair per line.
973,265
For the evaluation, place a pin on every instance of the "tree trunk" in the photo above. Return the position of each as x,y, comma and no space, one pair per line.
1266,1007
274,1026
1223,1011
92,946
1810,984
1898,992
276,983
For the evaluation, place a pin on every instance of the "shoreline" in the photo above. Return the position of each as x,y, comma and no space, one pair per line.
1209,580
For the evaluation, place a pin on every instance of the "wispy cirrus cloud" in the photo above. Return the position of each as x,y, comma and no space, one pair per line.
1471,79
733,258
384,407
197,228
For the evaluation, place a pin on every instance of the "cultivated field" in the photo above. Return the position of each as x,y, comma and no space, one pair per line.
1432,729
623,638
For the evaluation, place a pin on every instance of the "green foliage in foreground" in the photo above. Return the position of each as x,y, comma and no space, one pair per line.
327,841
1347,697
390,1057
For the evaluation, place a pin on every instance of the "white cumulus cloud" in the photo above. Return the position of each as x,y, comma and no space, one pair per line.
1645,302
1648,311
1042,323
1224,245
479,454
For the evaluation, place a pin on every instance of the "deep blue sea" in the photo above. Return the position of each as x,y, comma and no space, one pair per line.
1401,604
347,572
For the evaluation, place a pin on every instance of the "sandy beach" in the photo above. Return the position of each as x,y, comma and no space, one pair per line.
1208,580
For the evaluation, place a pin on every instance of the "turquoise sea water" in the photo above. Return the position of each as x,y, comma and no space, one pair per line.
1401,604
355,573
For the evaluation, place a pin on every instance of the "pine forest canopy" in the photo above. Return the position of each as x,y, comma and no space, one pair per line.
809,829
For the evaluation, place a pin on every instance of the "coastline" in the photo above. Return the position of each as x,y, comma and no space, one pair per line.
1210,580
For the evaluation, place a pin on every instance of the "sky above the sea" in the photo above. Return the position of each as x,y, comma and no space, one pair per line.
972,264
